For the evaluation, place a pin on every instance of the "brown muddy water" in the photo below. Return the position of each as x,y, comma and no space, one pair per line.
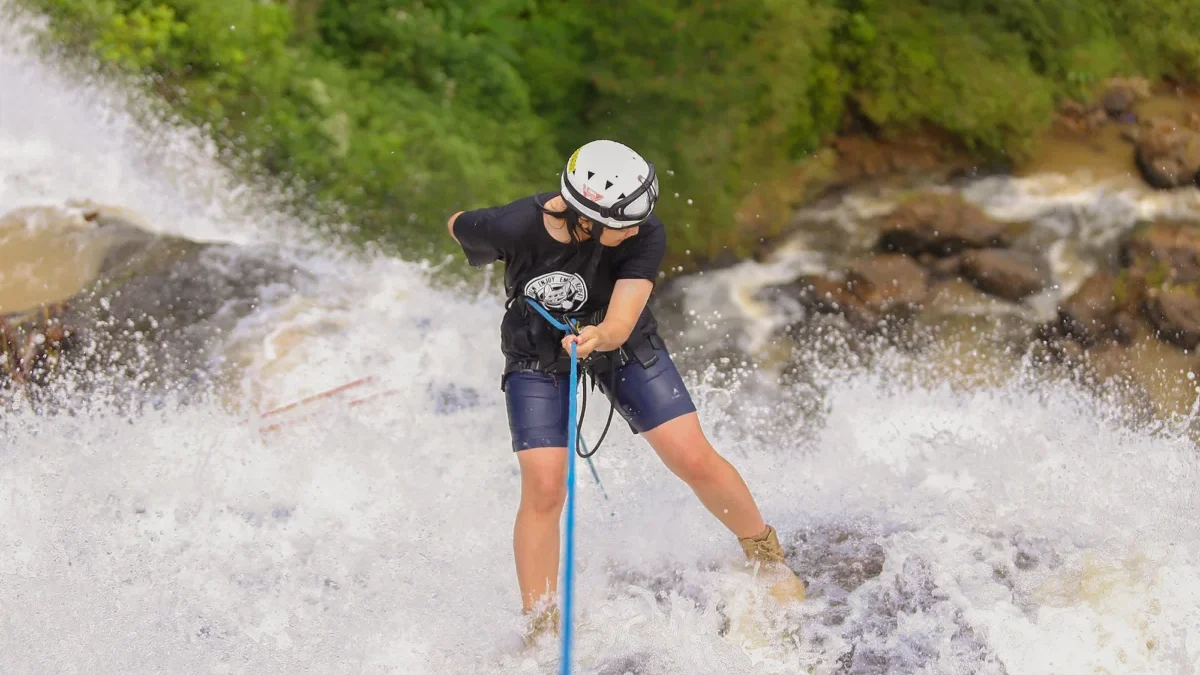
1106,154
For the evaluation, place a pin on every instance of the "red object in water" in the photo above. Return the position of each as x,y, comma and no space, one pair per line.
321,396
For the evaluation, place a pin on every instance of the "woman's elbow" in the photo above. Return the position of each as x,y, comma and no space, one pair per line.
450,225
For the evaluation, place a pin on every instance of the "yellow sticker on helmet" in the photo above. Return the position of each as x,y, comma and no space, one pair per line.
571,162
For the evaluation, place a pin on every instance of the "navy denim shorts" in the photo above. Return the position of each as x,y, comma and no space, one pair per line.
645,397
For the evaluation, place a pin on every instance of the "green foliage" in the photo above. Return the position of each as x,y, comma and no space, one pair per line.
718,94
991,97
405,111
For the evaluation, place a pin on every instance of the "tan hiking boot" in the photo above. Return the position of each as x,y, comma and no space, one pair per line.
765,549
540,622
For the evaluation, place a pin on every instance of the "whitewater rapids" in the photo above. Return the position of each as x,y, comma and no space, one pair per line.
1022,528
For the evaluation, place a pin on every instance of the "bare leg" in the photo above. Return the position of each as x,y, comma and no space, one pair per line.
536,531
683,447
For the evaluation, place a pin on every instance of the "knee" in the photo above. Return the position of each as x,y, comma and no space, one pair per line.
544,495
697,467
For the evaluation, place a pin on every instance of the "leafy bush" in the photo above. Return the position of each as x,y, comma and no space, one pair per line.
405,111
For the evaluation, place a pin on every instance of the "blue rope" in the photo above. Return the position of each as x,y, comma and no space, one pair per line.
569,562
569,568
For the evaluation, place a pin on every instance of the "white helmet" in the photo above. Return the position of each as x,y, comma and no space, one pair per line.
609,183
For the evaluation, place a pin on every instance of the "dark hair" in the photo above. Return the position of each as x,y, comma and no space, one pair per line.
575,229
569,214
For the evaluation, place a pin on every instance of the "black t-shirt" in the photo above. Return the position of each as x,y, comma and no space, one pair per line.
566,278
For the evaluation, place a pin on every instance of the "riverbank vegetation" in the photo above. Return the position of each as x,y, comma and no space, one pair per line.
402,112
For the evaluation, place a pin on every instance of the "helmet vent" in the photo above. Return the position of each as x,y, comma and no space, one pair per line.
590,174
607,184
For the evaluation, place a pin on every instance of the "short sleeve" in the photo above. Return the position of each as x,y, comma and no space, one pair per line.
475,233
496,233
646,252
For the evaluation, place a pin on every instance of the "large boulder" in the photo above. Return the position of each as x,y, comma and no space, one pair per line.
161,304
1175,315
1168,153
48,254
1103,309
881,287
1163,252
1155,290
1122,94
152,312
1012,275
939,224
1088,314
888,283
824,294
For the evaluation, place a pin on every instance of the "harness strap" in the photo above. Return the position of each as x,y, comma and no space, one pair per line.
570,325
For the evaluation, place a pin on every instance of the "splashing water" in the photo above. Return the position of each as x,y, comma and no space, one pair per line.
1020,528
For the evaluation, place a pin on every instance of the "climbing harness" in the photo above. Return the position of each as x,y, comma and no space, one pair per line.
569,325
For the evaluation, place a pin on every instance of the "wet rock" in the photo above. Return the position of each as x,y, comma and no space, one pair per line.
1063,350
887,642
1007,274
1175,315
1080,119
1163,252
1122,94
1126,327
662,585
635,664
888,283
873,289
452,398
162,303
1118,101
824,294
155,310
1088,314
945,268
841,557
1103,309
939,224
1156,290
1160,279
1168,153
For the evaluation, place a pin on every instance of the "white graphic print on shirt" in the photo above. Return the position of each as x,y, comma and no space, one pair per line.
558,291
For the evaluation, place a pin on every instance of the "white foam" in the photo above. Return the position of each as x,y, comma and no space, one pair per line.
1019,529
